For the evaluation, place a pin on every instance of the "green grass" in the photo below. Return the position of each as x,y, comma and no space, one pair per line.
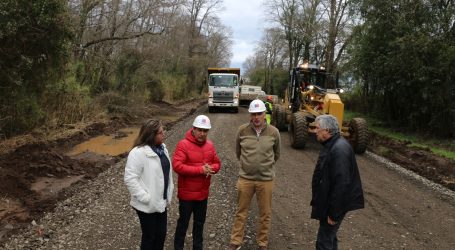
377,126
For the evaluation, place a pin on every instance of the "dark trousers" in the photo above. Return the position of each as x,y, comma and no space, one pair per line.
327,235
199,211
154,227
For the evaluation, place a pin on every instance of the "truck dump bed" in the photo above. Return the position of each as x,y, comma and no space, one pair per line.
224,70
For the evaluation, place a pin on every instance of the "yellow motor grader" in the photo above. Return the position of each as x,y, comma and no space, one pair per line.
310,93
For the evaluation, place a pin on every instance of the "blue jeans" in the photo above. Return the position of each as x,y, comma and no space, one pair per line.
327,235
154,227
199,211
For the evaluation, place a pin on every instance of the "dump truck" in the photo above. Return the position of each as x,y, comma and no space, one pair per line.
311,92
223,86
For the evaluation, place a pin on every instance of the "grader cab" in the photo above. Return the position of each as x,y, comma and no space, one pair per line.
312,92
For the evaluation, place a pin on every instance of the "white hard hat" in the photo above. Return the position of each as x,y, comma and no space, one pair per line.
202,121
256,106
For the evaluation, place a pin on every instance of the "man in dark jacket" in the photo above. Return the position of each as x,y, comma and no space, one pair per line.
336,184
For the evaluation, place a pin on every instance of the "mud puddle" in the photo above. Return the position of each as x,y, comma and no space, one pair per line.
116,144
113,145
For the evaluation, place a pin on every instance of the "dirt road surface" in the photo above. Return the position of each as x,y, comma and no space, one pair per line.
400,213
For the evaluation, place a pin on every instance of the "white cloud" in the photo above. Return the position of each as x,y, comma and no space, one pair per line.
246,19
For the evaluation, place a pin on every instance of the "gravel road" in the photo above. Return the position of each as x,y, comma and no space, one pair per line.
400,213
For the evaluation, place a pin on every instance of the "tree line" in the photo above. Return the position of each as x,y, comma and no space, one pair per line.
67,61
396,57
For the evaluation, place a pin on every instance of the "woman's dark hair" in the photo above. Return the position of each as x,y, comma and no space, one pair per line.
147,133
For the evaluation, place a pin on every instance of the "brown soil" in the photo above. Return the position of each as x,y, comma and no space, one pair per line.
419,160
36,173
34,176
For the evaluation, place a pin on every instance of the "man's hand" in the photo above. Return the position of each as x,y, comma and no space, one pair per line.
330,221
208,170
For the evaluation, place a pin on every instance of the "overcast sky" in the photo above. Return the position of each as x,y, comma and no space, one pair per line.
246,18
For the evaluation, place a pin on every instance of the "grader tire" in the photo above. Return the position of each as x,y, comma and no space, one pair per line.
358,131
279,117
298,130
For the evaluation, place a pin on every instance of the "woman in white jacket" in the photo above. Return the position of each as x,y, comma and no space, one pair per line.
149,181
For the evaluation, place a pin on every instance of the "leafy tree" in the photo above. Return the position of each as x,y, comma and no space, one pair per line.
403,55
34,39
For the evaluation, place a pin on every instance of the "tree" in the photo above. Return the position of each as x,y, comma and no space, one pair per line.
317,31
106,27
287,14
403,56
267,66
341,20
271,50
34,38
199,12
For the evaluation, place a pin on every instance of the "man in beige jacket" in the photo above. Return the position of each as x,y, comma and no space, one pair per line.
258,148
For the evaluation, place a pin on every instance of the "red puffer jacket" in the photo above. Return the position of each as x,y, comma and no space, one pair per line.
189,158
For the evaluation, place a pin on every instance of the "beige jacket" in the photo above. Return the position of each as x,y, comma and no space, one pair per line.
257,154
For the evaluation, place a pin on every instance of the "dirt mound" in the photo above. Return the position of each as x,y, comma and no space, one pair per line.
29,164
33,175
419,160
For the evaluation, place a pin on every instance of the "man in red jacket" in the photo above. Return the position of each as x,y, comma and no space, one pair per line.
194,160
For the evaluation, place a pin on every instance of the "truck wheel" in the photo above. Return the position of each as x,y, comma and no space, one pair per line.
236,110
298,130
279,117
211,109
358,135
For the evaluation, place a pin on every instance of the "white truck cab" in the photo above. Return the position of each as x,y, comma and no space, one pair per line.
223,88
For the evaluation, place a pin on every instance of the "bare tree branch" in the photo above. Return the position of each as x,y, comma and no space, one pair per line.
105,39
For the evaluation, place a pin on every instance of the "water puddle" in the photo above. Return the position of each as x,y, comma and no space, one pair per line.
112,145
116,144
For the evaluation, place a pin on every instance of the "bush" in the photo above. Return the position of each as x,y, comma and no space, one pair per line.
168,87
113,102
19,112
67,102
34,37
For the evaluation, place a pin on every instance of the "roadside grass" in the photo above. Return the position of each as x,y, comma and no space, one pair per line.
438,146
